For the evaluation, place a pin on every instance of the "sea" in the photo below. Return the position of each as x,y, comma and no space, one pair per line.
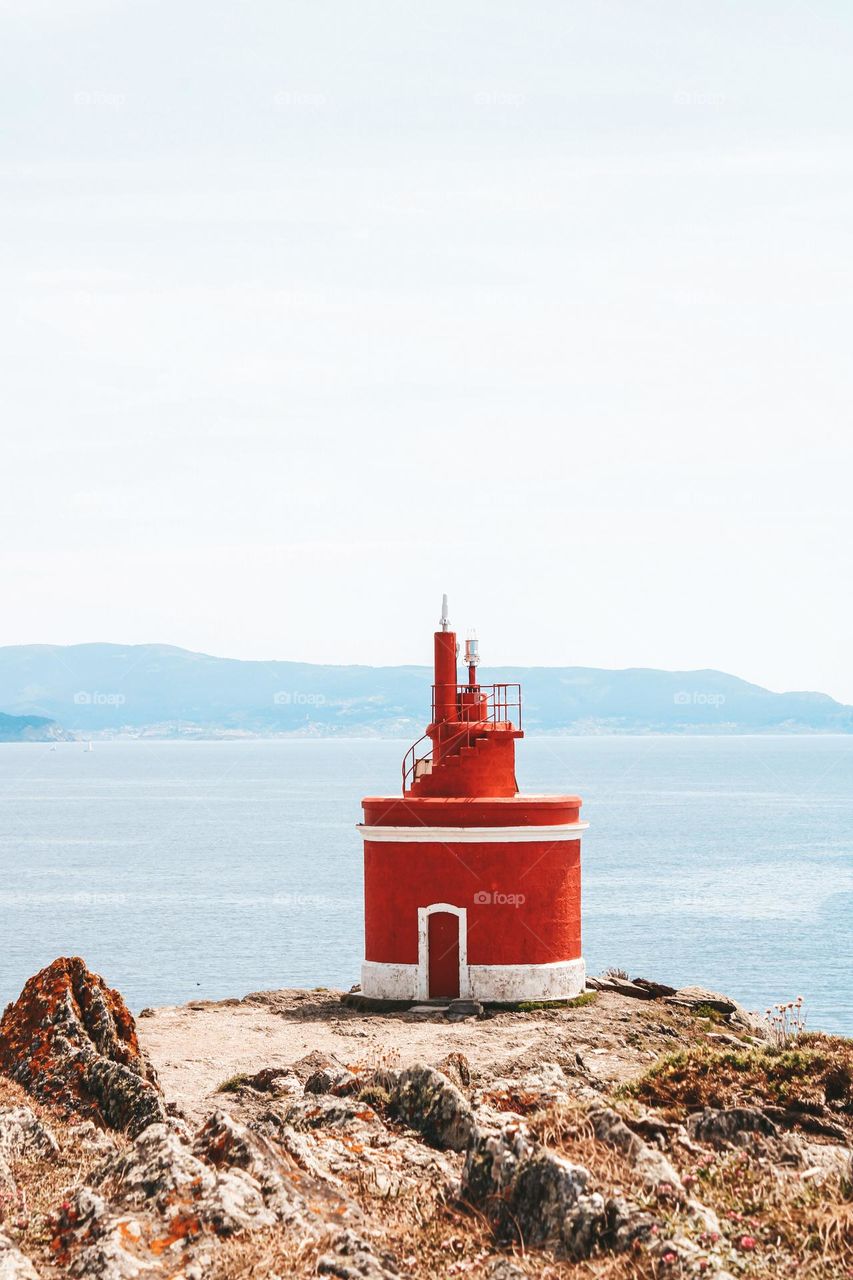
183,870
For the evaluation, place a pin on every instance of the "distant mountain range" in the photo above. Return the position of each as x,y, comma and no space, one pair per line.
158,690
29,729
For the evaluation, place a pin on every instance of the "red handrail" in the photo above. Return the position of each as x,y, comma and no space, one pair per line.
501,700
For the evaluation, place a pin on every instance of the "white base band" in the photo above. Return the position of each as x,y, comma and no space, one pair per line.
491,983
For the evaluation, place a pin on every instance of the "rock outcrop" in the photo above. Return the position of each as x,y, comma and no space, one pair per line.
22,1135
368,1172
655,1169
71,1041
531,1194
426,1100
161,1200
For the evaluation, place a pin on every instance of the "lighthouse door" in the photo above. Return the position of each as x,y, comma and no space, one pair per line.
443,955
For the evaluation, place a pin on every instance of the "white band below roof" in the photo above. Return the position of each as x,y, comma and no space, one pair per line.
472,835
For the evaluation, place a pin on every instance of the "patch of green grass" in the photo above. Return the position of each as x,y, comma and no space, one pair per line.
711,1014
234,1083
376,1097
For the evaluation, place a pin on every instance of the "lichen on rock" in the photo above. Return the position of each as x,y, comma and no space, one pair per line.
71,1041
426,1100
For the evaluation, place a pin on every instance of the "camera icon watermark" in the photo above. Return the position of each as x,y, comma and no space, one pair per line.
698,698
299,100
498,98
298,698
698,98
94,698
84,899
483,898
98,98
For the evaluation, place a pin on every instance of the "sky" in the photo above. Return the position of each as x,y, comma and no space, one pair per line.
315,309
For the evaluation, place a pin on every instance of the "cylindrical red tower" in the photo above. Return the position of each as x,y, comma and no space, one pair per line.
470,889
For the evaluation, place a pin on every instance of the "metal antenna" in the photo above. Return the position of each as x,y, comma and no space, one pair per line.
445,621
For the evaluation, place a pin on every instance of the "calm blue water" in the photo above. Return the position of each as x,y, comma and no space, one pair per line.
181,870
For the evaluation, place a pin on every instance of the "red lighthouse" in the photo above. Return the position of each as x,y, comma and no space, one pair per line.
470,889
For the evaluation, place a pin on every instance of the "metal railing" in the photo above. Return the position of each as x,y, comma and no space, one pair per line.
500,705
502,702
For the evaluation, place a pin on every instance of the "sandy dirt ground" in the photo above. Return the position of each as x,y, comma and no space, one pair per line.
196,1047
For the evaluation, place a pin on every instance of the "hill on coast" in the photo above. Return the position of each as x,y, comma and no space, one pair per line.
163,690
29,729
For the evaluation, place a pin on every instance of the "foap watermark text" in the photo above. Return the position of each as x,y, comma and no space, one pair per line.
496,898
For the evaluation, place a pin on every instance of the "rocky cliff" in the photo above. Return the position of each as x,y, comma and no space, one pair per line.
708,1146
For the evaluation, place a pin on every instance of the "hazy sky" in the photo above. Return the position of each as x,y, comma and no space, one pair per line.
314,310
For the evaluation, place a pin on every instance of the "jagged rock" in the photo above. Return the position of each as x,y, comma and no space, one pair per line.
306,1066
622,987
531,1194
657,990
457,1068
160,1172
95,1242
320,1111
652,1165
227,1144
71,1041
335,1139
544,1086
820,1161
295,1199
88,1137
492,1162
626,1224
22,1135
721,1128
335,1080
722,1038
280,1081
426,1100
700,997
351,1258
552,1209
14,1265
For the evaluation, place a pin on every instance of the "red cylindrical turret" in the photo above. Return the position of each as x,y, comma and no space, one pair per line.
445,676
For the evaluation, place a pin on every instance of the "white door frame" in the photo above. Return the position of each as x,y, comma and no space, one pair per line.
424,914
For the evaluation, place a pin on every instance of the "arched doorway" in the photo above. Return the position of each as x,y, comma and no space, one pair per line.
443,955
442,952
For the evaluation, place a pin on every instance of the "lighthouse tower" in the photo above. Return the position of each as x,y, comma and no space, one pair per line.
470,888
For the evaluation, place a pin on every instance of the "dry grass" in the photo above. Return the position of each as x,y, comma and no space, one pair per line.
777,1224
42,1184
264,1254
774,1225
813,1077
